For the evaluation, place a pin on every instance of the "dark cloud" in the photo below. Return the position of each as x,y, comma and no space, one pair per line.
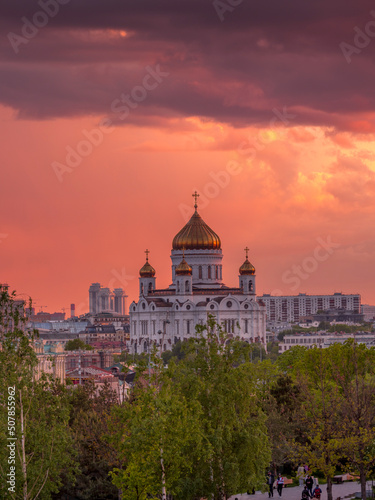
263,55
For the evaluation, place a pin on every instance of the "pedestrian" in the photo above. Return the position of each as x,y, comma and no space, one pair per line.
317,492
280,484
305,494
301,474
270,481
309,483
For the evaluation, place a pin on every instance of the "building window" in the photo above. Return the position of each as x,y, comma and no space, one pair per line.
246,326
250,286
177,327
178,286
200,275
217,272
149,287
187,288
141,288
209,272
145,347
188,326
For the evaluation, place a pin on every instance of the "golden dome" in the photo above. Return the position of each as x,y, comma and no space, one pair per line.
247,268
183,269
147,271
196,235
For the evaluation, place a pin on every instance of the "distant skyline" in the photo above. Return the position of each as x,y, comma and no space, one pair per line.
112,114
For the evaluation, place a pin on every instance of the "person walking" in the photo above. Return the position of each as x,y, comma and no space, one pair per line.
309,483
270,481
280,484
305,494
317,492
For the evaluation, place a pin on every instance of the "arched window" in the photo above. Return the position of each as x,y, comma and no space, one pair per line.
250,286
209,272
145,347
187,288
178,286
241,284
149,287
217,272
200,275
141,287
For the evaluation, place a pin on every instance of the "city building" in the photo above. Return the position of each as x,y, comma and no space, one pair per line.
324,339
165,315
103,300
368,312
293,308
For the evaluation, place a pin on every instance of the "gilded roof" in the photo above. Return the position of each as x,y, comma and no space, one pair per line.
147,271
247,268
183,269
196,235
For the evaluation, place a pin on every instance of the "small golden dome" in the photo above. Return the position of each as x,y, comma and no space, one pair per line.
147,271
183,269
247,268
196,234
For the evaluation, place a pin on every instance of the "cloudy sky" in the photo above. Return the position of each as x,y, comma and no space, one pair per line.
112,113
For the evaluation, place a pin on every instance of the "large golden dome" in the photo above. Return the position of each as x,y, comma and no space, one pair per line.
196,234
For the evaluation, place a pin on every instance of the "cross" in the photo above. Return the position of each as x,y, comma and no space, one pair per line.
195,195
147,252
246,250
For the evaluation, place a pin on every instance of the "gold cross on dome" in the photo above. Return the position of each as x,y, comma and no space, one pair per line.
247,251
147,252
195,195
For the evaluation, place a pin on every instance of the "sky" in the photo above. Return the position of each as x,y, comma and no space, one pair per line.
113,113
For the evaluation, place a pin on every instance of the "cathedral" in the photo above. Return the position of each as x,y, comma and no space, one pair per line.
162,316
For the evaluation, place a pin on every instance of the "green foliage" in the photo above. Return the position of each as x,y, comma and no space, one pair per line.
76,344
40,408
177,352
196,428
89,417
272,351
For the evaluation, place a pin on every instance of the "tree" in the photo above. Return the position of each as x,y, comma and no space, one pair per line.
158,435
76,344
353,370
216,373
34,415
195,429
321,441
89,418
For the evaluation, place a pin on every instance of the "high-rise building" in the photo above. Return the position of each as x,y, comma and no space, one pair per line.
103,300
294,307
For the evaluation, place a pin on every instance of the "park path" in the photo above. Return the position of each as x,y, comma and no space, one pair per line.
294,493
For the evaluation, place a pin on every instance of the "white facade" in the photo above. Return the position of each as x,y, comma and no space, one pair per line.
164,316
